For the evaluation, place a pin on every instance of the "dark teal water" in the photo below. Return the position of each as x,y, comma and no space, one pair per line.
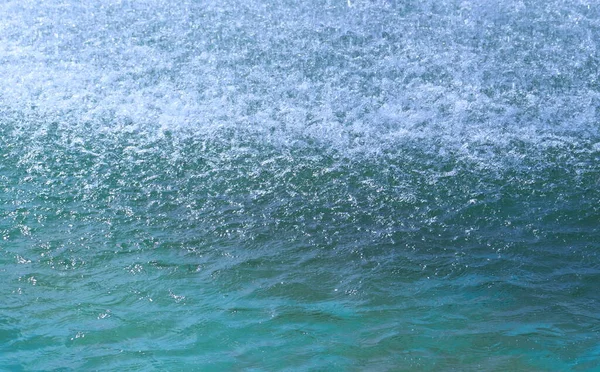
330,185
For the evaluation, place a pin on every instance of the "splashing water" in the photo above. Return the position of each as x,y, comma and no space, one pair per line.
369,185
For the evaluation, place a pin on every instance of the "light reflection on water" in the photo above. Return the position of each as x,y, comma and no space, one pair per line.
298,186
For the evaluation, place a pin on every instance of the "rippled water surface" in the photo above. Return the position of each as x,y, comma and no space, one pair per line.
317,185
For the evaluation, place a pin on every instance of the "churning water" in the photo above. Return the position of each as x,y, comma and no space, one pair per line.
299,185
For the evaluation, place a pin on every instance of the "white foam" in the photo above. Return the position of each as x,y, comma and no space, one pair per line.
361,79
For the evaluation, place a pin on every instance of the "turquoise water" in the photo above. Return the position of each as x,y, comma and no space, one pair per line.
318,185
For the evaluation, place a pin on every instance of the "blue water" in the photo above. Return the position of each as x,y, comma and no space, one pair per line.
319,185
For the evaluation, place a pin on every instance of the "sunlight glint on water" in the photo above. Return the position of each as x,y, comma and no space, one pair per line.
274,185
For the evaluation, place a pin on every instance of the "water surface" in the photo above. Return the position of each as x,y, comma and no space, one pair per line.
324,185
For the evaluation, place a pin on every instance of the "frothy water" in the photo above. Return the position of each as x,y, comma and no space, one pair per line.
273,185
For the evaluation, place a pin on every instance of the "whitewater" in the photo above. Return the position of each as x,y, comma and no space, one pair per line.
374,185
